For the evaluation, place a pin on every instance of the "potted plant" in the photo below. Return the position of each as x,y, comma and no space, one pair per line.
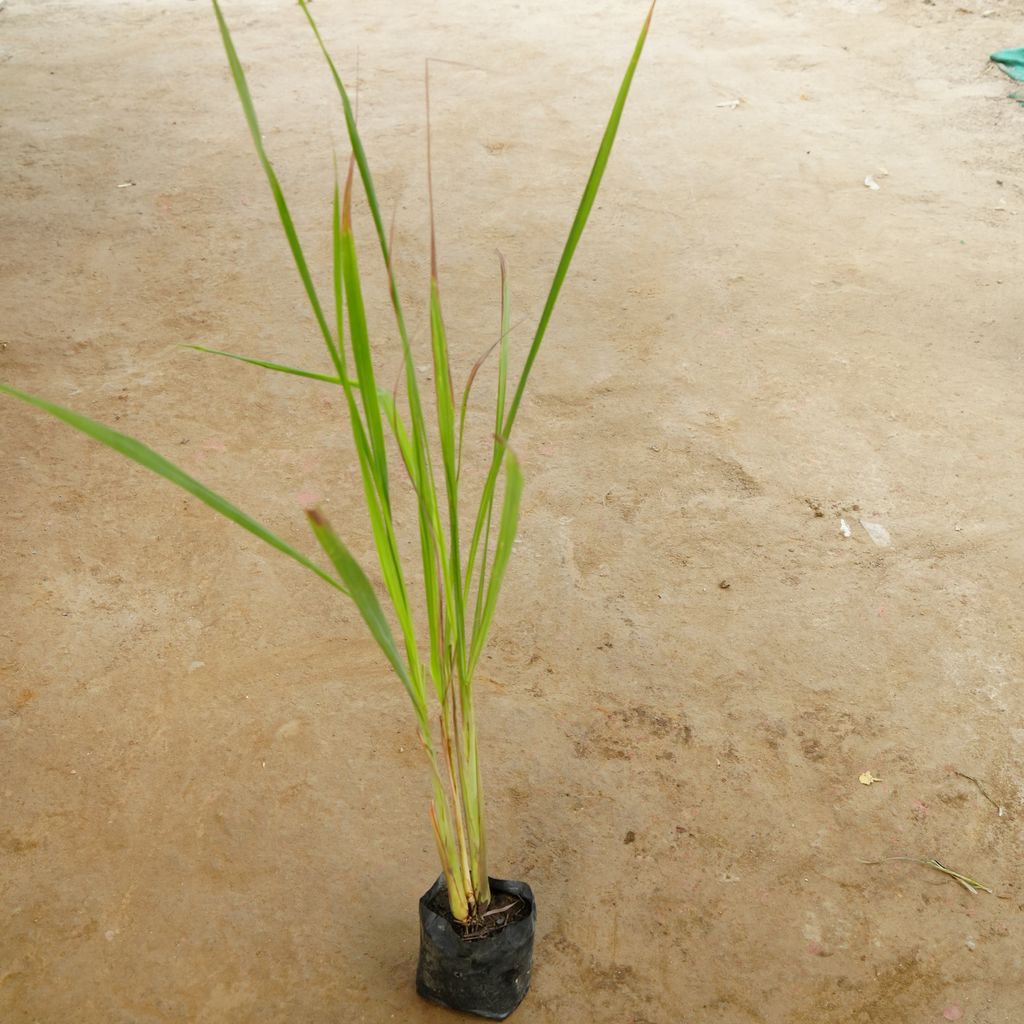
476,931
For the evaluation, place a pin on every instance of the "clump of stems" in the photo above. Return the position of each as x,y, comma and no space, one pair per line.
461,563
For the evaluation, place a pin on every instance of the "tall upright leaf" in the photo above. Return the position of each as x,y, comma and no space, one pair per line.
586,204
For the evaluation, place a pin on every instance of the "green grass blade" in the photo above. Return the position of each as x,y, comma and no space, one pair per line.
575,232
144,456
590,190
422,475
359,337
501,340
383,534
506,327
242,87
387,402
424,470
507,527
267,365
443,386
464,405
337,274
499,417
358,150
444,391
368,434
446,431
362,593
445,403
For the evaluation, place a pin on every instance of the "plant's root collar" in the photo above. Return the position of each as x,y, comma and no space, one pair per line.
504,909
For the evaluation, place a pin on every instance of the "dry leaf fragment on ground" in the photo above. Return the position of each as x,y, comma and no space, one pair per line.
981,789
866,778
972,885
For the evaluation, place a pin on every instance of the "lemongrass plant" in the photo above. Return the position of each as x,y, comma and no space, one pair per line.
461,566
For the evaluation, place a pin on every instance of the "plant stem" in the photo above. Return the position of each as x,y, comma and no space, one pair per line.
451,739
474,801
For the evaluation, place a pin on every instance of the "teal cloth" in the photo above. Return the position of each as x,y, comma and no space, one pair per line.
1011,61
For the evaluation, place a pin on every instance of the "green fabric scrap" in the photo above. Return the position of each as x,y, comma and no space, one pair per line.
1011,61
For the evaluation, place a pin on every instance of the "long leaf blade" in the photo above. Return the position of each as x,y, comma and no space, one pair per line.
358,150
245,96
575,232
151,460
267,365
359,337
362,593
604,152
387,402
424,470
499,416
507,526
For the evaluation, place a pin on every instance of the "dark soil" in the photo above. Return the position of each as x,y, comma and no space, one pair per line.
504,909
